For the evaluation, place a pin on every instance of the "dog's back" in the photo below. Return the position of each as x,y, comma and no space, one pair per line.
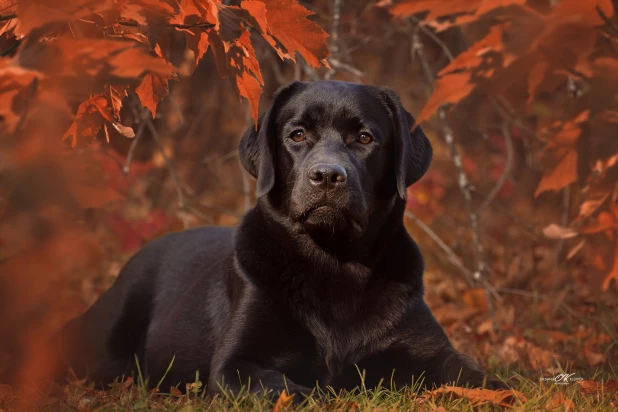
154,284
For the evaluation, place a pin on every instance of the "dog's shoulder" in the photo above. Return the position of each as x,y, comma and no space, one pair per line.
177,256
199,239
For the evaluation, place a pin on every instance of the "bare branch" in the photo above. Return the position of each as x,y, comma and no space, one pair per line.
464,185
506,211
181,199
564,222
334,32
7,17
335,48
147,120
138,135
196,212
610,24
204,26
508,112
418,49
334,38
481,273
508,167
432,35
450,254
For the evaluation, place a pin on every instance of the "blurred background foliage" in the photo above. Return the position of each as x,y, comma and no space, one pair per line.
121,120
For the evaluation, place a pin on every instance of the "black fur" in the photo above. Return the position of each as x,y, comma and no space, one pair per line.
321,277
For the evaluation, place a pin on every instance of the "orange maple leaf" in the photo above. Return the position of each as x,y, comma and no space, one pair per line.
89,119
448,89
287,21
612,275
152,90
132,62
562,175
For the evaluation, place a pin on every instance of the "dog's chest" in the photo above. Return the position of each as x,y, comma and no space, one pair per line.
349,325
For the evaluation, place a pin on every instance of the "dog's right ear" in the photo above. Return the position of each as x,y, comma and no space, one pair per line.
413,150
257,145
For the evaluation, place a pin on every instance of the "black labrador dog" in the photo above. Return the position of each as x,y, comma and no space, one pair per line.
320,281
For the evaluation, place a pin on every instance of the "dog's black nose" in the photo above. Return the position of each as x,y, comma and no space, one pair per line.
327,176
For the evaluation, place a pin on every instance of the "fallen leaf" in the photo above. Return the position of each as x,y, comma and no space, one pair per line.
560,401
283,402
562,175
478,397
475,298
576,249
613,274
123,130
5,391
514,350
593,358
590,206
590,387
554,231
603,221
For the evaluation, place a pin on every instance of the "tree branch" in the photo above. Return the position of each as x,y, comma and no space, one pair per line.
464,185
138,135
607,21
335,48
7,17
203,26
481,273
508,167
147,120
450,254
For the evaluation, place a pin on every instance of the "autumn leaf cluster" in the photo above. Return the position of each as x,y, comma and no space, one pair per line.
76,73
108,49
554,65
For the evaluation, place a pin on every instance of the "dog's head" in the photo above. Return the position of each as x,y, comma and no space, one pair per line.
330,154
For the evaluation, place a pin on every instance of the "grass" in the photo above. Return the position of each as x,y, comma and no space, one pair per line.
133,396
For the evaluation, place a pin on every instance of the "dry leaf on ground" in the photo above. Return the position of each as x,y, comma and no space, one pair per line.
560,401
590,387
283,402
481,396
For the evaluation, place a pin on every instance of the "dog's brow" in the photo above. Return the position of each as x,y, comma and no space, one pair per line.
314,114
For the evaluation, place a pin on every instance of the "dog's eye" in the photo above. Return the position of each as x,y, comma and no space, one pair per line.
365,138
298,136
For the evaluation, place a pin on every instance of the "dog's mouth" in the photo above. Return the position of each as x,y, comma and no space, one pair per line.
323,217
321,210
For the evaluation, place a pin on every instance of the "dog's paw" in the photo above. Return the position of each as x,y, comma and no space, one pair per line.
482,381
495,384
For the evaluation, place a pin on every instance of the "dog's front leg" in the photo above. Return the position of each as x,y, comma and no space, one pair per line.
459,369
236,376
429,346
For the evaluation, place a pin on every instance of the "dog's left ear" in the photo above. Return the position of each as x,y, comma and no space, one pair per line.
257,145
413,151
